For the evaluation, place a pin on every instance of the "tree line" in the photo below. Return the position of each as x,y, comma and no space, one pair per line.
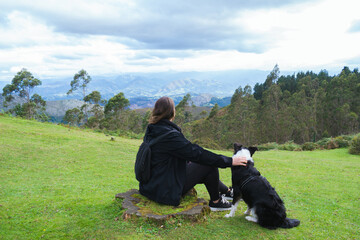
302,107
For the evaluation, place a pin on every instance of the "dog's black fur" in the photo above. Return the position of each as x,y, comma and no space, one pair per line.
259,195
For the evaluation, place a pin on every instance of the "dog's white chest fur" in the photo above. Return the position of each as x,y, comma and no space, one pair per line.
244,153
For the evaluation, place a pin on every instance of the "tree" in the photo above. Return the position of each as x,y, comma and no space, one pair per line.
73,116
240,120
79,83
213,111
203,114
183,115
22,85
116,104
288,83
94,98
258,91
342,97
301,107
115,118
270,80
81,80
183,103
272,77
145,120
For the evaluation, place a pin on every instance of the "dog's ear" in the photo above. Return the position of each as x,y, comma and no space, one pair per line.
252,150
237,147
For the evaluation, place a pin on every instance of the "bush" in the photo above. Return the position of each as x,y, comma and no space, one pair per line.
342,141
355,145
332,143
309,146
207,143
268,146
5,114
289,146
323,143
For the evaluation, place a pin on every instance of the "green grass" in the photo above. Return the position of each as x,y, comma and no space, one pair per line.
60,183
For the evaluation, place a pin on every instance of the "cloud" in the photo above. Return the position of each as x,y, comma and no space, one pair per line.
155,24
20,29
355,26
58,38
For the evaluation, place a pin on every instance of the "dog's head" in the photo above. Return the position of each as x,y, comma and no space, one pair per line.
247,152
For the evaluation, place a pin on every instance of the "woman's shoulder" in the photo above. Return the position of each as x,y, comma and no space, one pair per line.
158,129
163,125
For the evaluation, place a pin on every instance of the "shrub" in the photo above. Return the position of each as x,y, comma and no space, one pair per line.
342,141
129,134
289,146
323,143
332,143
207,143
5,114
268,146
309,146
355,145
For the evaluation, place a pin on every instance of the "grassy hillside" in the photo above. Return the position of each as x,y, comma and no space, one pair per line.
60,183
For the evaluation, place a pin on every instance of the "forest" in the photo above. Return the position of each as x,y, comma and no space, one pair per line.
303,107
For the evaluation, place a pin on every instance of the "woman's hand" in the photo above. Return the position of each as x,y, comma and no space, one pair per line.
239,161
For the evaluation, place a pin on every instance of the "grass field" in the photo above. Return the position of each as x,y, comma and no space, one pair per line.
60,183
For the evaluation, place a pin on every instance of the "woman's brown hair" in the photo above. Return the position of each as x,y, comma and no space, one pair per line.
164,109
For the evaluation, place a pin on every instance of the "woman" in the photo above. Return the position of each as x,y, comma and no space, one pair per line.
177,165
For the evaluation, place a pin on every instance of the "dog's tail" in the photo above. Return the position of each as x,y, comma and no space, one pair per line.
290,223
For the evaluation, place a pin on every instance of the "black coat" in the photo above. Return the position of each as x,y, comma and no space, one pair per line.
168,163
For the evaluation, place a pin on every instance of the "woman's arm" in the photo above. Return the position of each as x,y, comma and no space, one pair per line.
178,146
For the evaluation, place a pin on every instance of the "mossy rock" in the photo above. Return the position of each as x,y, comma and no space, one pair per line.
137,205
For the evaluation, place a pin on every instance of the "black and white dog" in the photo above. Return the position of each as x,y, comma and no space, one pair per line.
265,207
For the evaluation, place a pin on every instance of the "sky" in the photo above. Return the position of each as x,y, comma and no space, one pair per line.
57,38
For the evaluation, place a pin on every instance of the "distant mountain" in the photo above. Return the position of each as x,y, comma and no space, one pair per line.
142,89
218,84
11,104
55,109
58,108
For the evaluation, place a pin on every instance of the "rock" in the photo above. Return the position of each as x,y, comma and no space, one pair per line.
132,200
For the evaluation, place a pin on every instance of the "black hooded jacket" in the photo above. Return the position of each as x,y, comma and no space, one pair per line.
168,163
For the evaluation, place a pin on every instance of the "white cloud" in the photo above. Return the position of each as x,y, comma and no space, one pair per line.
22,29
308,36
108,37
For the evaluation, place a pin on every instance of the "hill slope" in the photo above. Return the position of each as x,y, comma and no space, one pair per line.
60,183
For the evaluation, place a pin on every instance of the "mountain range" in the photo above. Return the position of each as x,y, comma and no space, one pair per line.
142,89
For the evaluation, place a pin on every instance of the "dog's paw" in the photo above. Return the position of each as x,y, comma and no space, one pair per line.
229,215
251,219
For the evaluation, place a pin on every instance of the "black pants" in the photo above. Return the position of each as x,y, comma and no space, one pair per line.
197,173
